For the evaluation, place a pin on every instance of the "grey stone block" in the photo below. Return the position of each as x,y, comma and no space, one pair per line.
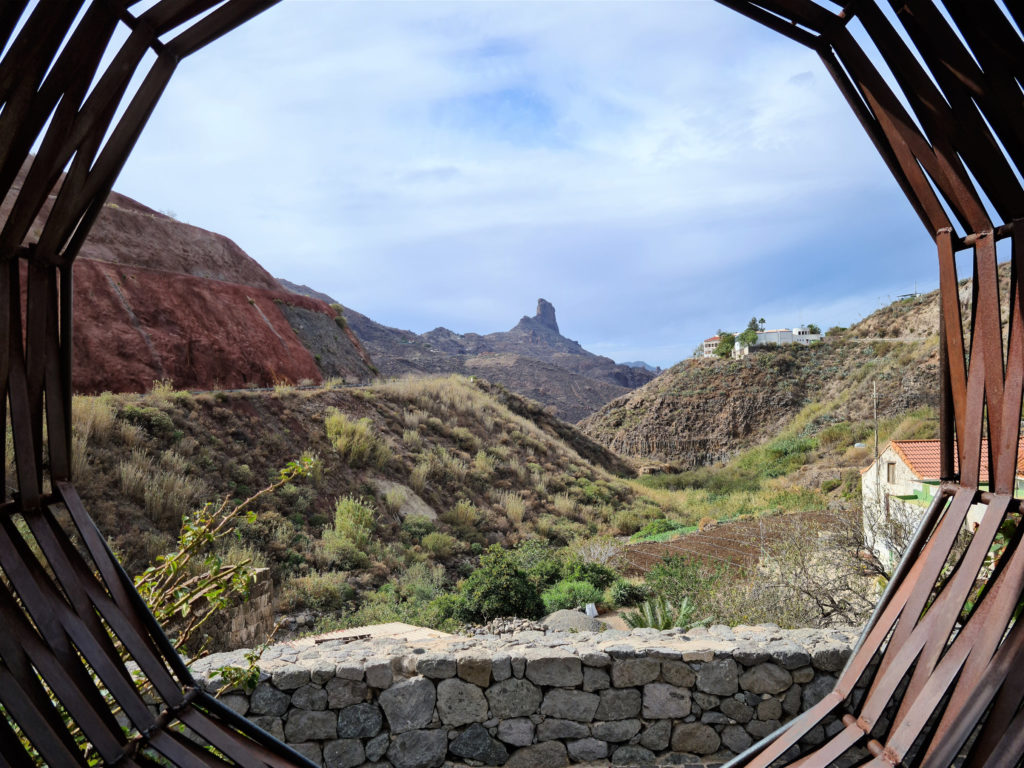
272,725
513,698
436,666
766,678
616,730
305,725
587,750
817,689
698,738
761,728
570,705
769,709
377,746
631,672
632,754
267,700
475,743
342,692
418,749
309,696
736,738
379,675
618,704
408,705
547,754
344,753
289,678
553,728
360,721
460,703
678,673
664,701
518,732
595,679
656,735
719,678
474,669
559,670
501,668
736,710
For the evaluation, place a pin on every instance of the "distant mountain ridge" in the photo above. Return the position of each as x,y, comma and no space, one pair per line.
532,358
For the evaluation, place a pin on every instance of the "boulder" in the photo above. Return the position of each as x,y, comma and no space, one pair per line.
408,705
475,743
418,749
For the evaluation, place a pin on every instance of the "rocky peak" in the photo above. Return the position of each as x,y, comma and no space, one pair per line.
546,315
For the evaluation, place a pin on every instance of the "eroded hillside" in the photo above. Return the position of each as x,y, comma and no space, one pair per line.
703,411
446,467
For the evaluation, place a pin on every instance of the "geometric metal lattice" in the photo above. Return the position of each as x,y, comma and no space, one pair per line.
70,614
939,671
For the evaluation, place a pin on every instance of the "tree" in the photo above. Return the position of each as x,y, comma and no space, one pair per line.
752,325
760,324
724,348
498,588
813,328
748,338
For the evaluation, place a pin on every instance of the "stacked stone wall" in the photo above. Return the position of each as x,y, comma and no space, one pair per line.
533,700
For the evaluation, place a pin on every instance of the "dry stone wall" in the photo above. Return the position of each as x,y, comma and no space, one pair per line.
536,700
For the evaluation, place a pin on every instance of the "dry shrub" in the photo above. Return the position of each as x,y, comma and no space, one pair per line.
564,505
357,441
514,506
169,495
92,418
463,516
419,475
413,439
439,545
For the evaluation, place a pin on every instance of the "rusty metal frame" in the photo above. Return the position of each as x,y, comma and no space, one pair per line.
939,671
69,116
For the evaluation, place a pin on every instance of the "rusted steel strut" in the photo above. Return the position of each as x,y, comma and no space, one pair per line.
69,612
939,671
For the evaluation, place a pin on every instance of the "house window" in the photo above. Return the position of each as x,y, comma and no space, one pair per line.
890,472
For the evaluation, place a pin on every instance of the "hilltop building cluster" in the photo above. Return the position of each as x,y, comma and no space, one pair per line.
801,334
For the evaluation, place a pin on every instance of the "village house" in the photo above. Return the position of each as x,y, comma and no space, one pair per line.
799,335
710,345
898,487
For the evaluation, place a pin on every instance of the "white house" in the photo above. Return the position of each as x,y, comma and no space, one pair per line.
799,335
898,487
710,345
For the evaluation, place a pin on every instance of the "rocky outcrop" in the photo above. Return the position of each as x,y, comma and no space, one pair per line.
546,315
532,359
532,699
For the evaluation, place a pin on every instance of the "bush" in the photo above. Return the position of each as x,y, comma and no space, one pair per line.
570,594
345,543
439,545
356,441
153,420
416,527
498,588
626,593
541,562
600,576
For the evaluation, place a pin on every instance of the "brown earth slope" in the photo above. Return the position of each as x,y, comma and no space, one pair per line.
704,411
158,299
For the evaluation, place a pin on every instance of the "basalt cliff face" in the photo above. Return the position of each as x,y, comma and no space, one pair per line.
532,359
158,299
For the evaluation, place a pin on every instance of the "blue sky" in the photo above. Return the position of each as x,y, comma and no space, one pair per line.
657,170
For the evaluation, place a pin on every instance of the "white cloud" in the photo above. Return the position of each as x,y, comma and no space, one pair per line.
447,163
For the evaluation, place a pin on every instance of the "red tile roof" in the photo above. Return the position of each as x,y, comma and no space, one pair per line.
922,456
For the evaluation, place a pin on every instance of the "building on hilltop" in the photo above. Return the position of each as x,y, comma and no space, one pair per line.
802,334
710,345
898,487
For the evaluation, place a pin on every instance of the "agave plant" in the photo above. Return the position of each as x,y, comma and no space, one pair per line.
658,613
